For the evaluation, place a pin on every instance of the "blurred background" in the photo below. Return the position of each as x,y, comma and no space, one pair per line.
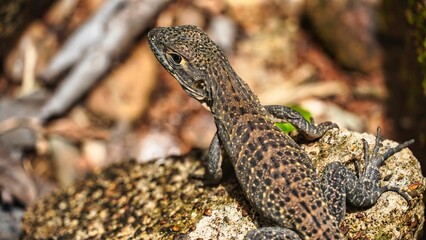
80,88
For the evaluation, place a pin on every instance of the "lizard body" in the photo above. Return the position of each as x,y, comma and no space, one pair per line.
275,174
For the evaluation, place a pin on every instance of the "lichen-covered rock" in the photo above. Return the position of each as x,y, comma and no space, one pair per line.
158,200
391,217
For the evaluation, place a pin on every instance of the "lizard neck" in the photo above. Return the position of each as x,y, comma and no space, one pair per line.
232,98
234,107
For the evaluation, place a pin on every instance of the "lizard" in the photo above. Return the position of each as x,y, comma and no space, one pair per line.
276,175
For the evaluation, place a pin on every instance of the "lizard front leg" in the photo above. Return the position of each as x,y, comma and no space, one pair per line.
308,130
339,184
213,164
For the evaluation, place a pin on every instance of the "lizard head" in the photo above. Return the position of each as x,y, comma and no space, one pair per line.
188,55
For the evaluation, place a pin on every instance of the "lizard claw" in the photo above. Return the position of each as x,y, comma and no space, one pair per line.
374,160
400,192
204,180
327,125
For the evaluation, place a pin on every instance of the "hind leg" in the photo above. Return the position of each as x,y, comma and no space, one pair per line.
339,184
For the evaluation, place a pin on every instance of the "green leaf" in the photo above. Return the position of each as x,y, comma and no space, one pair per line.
288,127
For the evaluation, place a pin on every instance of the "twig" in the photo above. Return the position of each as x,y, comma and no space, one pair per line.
113,28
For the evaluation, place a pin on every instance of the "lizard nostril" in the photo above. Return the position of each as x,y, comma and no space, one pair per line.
152,34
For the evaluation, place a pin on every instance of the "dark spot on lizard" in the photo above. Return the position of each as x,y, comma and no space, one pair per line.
259,155
268,182
275,176
251,147
240,130
256,182
245,137
295,192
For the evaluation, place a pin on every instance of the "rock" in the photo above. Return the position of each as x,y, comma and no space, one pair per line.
158,200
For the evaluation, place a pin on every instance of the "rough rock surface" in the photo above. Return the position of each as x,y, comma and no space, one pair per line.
157,200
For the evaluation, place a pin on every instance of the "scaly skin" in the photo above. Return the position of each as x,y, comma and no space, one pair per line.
275,174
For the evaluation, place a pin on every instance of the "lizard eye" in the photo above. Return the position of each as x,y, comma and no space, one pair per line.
176,58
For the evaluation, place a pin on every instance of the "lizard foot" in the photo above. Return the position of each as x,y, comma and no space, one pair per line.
318,130
204,180
341,185
374,160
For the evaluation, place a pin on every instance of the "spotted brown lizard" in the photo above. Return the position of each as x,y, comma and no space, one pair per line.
276,175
